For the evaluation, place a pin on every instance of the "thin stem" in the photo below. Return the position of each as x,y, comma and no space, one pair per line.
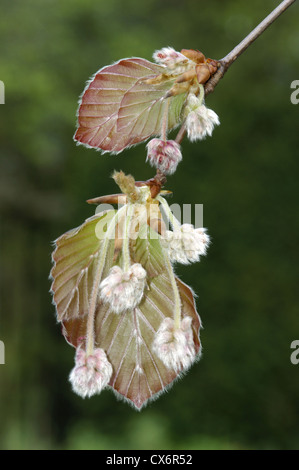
181,134
126,240
165,122
201,95
226,62
172,219
97,279
177,299
256,32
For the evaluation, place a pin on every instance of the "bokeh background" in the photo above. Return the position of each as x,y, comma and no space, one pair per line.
243,394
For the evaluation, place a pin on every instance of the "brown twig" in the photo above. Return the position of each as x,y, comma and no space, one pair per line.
159,179
226,62
155,183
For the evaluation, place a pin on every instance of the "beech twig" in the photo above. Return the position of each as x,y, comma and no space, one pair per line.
223,66
226,62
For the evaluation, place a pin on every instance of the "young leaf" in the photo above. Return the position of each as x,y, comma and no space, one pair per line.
148,251
138,373
75,259
119,108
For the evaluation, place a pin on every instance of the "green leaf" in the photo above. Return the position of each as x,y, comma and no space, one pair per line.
138,374
75,259
147,251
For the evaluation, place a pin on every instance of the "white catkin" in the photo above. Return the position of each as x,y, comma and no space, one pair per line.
200,122
123,290
91,373
186,244
175,346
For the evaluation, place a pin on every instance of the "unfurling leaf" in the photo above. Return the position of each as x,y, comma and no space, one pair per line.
138,373
120,108
132,100
113,294
75,258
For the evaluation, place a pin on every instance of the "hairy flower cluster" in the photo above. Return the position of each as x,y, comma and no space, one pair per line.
164,155
175,346
186,244
200,120
91,372
123,290
201,123
173,60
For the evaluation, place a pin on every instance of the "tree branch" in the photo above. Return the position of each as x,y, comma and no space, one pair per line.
227,61
223,65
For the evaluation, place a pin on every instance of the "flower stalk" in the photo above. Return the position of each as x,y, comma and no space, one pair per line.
97,279
172,219
126,238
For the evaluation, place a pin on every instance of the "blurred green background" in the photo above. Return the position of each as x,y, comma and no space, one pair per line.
244,392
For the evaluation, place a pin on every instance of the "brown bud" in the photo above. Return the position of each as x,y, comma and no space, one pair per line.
139,184
195,56
213,65
186,77
203,73
111,199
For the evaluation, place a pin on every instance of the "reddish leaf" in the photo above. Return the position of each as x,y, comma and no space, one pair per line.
118,109
138,373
